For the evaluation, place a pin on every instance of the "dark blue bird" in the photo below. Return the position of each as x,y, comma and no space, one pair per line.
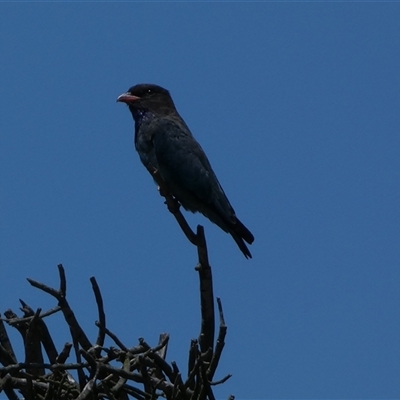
165,143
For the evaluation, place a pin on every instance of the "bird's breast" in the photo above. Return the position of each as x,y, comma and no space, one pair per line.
144,144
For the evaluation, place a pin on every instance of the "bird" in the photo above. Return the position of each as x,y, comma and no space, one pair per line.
165,144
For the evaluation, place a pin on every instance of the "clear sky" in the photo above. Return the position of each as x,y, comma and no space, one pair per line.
297,108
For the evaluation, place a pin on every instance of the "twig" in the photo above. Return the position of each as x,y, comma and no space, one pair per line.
223,380
136,393
62,357
206,338
193,353
122,380
196,367
20,326
173,207
165,367
220,342
33,350
81,375
12,368
27,319
163,342
7,355
42,331
87,390
113,336
102,316
76,331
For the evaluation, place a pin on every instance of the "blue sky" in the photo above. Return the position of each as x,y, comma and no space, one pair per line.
297,108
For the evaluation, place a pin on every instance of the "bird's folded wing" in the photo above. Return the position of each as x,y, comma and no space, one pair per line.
184,165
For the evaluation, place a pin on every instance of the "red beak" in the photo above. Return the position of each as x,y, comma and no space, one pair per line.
127,98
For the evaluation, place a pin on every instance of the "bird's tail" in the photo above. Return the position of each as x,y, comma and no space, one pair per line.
240,234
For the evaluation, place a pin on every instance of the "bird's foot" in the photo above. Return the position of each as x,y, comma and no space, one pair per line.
172,204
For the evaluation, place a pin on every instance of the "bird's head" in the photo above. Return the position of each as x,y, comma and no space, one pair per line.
147,97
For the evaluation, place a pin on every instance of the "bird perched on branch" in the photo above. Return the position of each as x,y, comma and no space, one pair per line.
166,145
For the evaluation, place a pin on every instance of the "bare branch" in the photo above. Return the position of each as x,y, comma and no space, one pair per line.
7,355
102,316
97,378
77,332
112,336
220,342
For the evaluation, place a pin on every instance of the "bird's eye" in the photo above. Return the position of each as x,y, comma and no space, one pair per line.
149,91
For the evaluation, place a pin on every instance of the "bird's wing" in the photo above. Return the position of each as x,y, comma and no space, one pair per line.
185,167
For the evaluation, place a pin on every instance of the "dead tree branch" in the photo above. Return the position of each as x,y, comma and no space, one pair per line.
95,372
91,375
